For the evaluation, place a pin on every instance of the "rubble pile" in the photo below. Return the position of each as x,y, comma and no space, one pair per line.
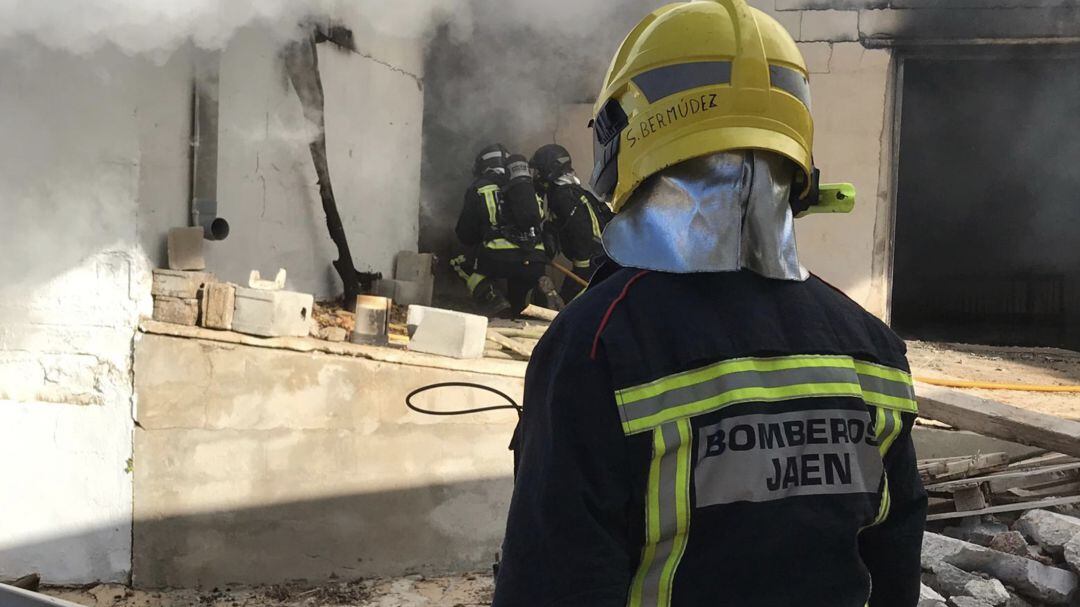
992,561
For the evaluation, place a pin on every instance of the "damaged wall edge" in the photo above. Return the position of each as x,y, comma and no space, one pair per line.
302,65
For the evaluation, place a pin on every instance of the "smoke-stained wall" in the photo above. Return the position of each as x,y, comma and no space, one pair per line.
267,187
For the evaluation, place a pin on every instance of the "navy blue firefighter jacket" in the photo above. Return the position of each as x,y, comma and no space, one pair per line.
714,440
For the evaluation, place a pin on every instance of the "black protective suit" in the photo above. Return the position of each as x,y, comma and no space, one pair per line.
500,224
714,440
578,220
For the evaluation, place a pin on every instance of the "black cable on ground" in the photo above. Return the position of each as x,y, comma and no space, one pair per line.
513,405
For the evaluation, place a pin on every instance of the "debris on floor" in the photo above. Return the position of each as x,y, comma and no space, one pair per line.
1001,531
991,484
1011,365
467,590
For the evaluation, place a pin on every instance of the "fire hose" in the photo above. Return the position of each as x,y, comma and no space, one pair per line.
955,383
512,404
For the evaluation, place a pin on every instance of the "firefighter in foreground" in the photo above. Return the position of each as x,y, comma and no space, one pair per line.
709,425
574,214
501,223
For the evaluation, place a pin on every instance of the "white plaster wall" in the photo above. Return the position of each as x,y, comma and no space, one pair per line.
73,284
267,188
849,92
94,155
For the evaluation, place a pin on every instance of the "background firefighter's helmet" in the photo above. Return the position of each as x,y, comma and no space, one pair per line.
492,158
696,78
551,162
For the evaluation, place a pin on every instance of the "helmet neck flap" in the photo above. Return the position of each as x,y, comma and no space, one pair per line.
723,212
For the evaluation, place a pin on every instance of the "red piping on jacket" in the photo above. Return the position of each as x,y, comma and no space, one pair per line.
611,310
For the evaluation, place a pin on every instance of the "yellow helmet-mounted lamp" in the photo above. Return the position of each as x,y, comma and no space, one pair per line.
696,78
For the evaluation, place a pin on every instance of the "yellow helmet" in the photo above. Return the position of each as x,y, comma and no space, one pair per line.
695,78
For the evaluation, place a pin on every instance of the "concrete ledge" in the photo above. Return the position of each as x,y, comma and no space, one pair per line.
255,464
507,368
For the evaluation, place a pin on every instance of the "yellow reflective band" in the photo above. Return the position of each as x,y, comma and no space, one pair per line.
474,281
894,424
887,427
502,244
682,511
742,395
652,522
865,368
667,515
891,402
738,381
592,216
688,378
488,192
583,263
886,503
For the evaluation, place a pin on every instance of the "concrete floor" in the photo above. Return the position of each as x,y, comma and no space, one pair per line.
465,590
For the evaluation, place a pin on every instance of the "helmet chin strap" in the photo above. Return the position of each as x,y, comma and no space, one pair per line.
724,212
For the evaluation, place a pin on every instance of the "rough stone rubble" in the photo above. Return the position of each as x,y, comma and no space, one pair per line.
984,563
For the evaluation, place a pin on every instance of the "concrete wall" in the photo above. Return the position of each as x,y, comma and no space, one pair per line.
94,170
267,187
74,282
258,465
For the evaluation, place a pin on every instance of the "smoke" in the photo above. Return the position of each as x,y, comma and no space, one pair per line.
520,74
493,70
156,28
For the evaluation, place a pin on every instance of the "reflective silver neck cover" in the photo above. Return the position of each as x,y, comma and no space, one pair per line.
719,213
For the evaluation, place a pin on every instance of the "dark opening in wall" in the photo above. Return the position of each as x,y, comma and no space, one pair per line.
988,206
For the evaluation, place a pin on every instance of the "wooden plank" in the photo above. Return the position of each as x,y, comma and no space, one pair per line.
510,344
535,333
1054,490
1050,459
964,467
539,313
1006,480
1060,501
992,418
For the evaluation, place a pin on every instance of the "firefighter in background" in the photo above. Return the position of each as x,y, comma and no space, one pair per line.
709,425
501,224
575,216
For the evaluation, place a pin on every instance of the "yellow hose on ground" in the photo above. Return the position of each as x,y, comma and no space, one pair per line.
953,383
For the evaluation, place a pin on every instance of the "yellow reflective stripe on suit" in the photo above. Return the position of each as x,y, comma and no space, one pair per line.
502,244
667,515
488,193
665,407
597,234
645,407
